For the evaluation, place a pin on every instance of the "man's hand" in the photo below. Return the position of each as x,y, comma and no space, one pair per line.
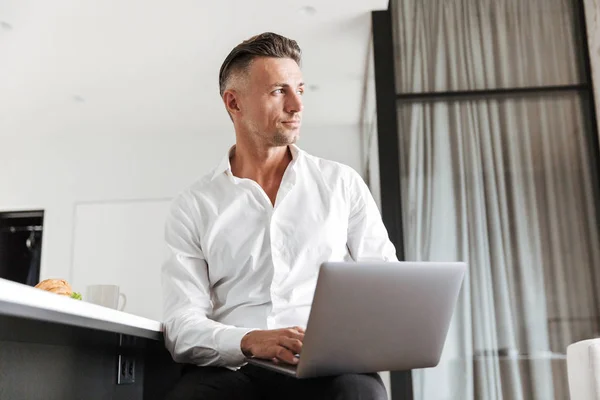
275,344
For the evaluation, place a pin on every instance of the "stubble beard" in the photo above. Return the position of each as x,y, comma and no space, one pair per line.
284,136
281,137
284,139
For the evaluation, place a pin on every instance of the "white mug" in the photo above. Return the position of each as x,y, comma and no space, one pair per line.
106,296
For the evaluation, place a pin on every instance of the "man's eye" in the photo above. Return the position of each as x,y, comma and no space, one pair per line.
300,92
278,91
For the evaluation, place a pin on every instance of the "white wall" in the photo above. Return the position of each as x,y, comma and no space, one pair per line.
370,146
62,173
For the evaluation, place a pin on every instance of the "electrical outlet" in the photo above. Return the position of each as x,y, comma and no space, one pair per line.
126,370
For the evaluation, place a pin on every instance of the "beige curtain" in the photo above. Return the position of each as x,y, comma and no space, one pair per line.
502,183
444,45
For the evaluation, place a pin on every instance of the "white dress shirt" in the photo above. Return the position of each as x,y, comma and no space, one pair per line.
238,263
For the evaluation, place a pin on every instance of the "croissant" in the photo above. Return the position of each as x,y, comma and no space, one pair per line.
58,286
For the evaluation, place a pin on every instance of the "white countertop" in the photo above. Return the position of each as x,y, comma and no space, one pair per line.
27,302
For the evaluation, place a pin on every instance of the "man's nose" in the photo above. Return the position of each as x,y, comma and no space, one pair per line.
294,103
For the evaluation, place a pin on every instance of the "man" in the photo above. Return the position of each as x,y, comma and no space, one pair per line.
247,241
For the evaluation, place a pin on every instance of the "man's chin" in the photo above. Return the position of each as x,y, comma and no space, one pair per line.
287,138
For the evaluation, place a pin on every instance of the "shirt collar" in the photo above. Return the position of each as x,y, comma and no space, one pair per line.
225,166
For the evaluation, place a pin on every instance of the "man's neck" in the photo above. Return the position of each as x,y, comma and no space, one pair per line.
265,166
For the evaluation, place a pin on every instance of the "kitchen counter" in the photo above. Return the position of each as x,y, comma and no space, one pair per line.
54,347
24,301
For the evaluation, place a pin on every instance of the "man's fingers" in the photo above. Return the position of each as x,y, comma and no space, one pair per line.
292,344
299,329
293,333
286,356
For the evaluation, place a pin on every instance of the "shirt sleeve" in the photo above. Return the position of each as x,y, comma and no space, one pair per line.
190,336
367,236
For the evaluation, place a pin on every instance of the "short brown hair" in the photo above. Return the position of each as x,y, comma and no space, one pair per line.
266,44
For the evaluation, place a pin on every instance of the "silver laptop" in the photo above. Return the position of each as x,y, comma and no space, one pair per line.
376,316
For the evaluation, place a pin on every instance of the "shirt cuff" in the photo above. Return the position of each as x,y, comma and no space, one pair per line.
230,346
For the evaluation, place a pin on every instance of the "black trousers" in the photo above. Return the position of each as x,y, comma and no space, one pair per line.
255,383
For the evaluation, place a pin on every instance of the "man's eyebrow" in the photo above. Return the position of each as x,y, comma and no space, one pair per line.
285,85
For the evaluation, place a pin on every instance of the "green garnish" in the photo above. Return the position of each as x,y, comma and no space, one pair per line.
76,296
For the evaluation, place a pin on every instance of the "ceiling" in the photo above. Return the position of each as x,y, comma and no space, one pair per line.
150,66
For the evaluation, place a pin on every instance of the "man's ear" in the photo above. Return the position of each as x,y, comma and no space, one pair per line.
230,98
